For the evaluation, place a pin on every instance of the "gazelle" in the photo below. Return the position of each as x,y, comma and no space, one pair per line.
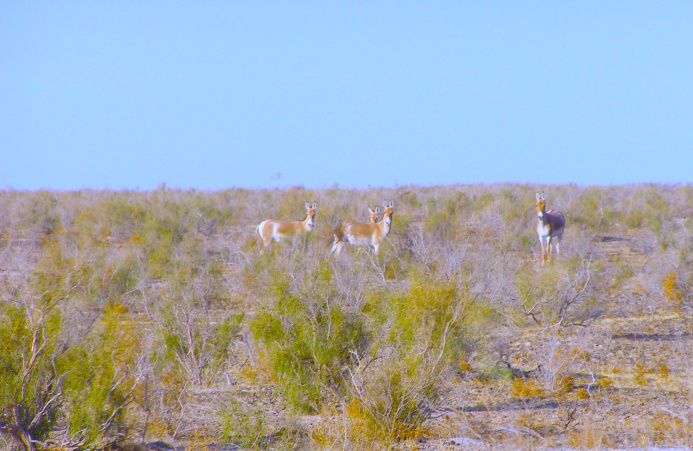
550,225
374,214
272,229
368,234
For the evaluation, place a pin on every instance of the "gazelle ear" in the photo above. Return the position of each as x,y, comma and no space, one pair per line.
392,204
538,196
307,206
543,196
377,209
315,205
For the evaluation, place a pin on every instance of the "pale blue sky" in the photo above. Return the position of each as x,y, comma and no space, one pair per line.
212,95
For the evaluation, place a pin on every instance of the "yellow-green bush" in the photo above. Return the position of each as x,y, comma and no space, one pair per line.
31,384
100,376
309,337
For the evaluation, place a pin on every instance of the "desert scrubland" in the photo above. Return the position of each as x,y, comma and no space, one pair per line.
132,320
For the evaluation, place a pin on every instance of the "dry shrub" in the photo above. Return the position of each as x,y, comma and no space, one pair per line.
389,403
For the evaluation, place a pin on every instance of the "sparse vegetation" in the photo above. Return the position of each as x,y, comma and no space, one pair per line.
135,317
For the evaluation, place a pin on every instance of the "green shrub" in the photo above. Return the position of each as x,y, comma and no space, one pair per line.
31,383
309,337
244,425
595,210
399,380
101,375
429,314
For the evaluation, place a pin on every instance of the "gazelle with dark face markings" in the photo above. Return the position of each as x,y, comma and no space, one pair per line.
273,229
550,225
363,234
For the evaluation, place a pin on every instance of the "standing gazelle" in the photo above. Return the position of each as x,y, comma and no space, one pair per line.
368,234
550,225
272,229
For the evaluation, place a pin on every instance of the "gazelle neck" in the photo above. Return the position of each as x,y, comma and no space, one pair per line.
385,223
308,223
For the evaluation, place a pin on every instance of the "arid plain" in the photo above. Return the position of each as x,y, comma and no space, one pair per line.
158,320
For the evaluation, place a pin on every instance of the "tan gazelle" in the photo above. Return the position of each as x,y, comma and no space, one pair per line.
273,229
374,214
364,234
550,225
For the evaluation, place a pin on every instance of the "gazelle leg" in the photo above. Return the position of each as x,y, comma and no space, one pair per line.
541,242
337,248
266,240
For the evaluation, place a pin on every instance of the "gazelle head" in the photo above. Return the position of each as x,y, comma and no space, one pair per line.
387,212
374,214
541,205
310,214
